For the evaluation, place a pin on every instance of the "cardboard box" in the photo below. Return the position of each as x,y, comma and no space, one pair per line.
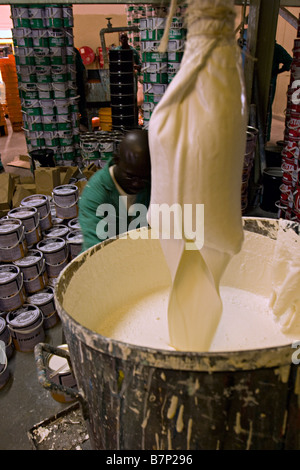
21,161
46,179
26,179
68,172
22,191
80,185
7,187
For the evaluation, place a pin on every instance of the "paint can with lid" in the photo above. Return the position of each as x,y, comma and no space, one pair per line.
4,371
6,339
55,251
31,265
74,224
13,244
75,241
65,198
38,282
26,327
44,300
59,371
30,219
11,280
58,230
42,204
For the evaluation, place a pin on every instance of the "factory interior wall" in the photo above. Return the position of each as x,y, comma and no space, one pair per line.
90,19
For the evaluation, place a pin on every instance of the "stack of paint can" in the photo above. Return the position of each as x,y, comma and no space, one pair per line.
122,89
289,204
35,245
155,64
159,69
45,58
177,36
134,14
98,147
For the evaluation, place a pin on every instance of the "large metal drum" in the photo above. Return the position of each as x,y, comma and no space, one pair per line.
142,398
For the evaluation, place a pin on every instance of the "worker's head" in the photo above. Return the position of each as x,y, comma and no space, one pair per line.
133,166
123,39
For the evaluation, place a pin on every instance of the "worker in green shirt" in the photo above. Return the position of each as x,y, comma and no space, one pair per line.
115,199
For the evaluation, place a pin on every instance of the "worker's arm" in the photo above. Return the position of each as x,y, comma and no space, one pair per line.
93,196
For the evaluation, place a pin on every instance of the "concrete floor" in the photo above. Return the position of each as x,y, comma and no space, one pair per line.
23,401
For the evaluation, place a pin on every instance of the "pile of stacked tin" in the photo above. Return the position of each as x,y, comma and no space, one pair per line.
37,240
122,89
45,60
159,69
289,204
99,146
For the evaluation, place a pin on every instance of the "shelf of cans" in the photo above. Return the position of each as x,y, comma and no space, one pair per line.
10,78
289,203
159,69
99,146
46,72
37,240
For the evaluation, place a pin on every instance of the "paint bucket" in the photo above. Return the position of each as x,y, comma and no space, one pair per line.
41,203
65,198
234,388
4,372
74,241
59,371
6,339
53,16
39,37
57,230
30,219
31,265
26,327
74,224
13,244
34,272
55,251
45,91
44,300
272,179
36,16
67,13
11,280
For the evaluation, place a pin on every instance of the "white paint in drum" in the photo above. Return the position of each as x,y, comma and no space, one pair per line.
26,327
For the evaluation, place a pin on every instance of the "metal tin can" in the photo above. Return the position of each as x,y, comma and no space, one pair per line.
59,372
26,327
